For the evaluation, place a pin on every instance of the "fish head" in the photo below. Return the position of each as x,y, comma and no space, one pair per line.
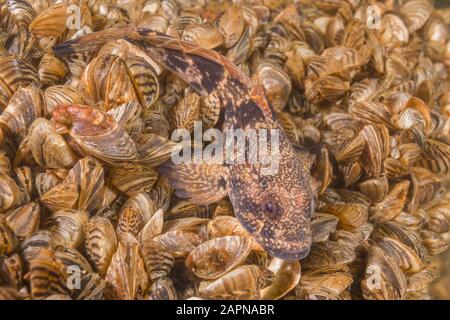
276,209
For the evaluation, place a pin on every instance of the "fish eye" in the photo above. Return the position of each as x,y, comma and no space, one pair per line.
271,208
268,206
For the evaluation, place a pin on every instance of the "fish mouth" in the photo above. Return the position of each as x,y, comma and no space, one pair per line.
289,249
291,244
294,244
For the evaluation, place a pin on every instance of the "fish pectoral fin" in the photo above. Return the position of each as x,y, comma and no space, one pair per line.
202,183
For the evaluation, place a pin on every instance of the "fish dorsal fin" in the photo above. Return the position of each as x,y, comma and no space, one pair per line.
203,69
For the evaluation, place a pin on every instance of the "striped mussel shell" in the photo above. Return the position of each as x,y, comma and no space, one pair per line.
162,289
47,275
126,277
8,240
24,220
67,227
100,243
240,283
88,175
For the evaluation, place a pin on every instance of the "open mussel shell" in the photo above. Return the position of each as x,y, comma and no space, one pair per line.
242,49
215,257
231,25
95,132
121,73
128,115
238,284
106,80
158,260
286,277
224,225
179,242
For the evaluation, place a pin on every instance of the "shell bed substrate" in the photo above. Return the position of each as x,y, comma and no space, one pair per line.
360,88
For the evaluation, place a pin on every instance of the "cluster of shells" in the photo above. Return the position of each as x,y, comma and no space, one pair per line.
85,215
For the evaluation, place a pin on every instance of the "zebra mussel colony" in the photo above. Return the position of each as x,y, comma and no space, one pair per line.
361,88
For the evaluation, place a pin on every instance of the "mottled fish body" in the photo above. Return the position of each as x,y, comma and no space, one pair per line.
275,209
